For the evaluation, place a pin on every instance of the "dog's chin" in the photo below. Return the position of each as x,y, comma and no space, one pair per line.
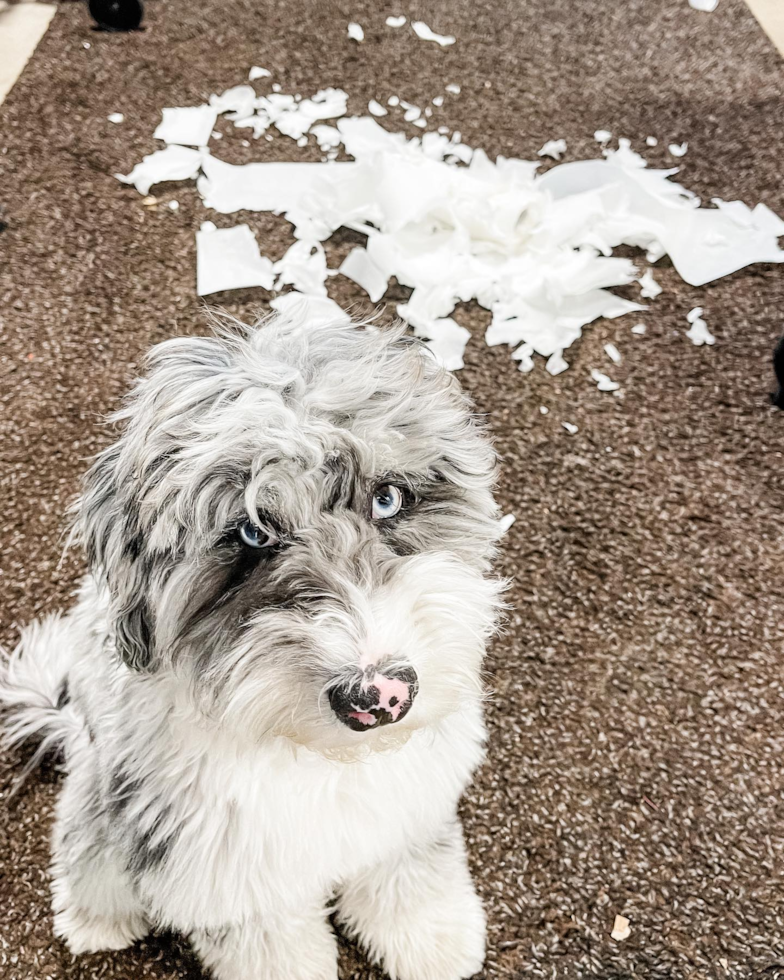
347,746
325,735
320,731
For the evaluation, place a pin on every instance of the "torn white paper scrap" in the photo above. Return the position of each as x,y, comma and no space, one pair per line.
739,212
116,117
317,310
189,126
570,427
257,72
453,89
506,522
524,354
625,156
639,329
554,149
461,152
173,163
294,118
602,136
229,258
239,100
556,363
650,288
277,187
621,929
651,141
355,32
613,353
423,32
707,6
376,109
395,21
603,382
358,266
327,137
447,341
304,266
744,244
678,149
698,333
329,103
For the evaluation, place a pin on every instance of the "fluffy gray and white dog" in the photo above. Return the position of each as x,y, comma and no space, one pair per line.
269,691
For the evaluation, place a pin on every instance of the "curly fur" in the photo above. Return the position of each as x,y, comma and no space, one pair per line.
210,787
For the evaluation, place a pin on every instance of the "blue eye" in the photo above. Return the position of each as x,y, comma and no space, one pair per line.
256,537
387,501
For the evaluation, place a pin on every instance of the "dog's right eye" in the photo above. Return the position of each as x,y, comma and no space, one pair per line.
253,536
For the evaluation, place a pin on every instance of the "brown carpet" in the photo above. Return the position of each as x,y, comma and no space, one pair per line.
643,656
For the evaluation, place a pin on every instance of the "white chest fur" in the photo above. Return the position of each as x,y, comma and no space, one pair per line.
283,826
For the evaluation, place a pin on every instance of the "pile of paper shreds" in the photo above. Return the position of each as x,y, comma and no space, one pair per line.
533,249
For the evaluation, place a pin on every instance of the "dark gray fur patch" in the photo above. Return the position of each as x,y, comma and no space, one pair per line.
343,483
63,696
144,856
145,850
122,790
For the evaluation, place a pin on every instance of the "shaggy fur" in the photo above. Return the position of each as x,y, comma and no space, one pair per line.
211,788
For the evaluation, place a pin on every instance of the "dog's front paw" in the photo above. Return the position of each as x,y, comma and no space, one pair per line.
442,942
419,915
84,932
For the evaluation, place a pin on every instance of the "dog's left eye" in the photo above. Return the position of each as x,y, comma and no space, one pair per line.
256,537
387,501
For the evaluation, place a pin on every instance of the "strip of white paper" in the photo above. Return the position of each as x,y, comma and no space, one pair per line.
190,126
229,258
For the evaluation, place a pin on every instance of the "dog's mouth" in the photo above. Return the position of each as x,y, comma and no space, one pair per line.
376,698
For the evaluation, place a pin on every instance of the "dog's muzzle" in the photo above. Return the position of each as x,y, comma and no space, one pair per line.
376,698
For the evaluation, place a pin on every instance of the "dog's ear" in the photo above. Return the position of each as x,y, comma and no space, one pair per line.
108,524
129,515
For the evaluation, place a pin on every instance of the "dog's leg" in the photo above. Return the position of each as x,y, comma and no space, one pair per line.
93,897
295,946
419,914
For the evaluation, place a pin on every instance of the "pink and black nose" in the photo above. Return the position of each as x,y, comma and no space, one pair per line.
379,697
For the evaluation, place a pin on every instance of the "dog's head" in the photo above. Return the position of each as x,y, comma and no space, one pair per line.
297,525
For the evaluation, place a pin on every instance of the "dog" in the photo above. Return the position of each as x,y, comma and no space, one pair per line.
269,691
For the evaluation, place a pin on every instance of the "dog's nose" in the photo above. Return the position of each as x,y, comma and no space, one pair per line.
379,697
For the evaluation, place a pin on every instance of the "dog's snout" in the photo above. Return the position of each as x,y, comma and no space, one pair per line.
378,697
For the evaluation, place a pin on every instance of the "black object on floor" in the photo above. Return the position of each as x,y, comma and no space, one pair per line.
778,366
117,15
